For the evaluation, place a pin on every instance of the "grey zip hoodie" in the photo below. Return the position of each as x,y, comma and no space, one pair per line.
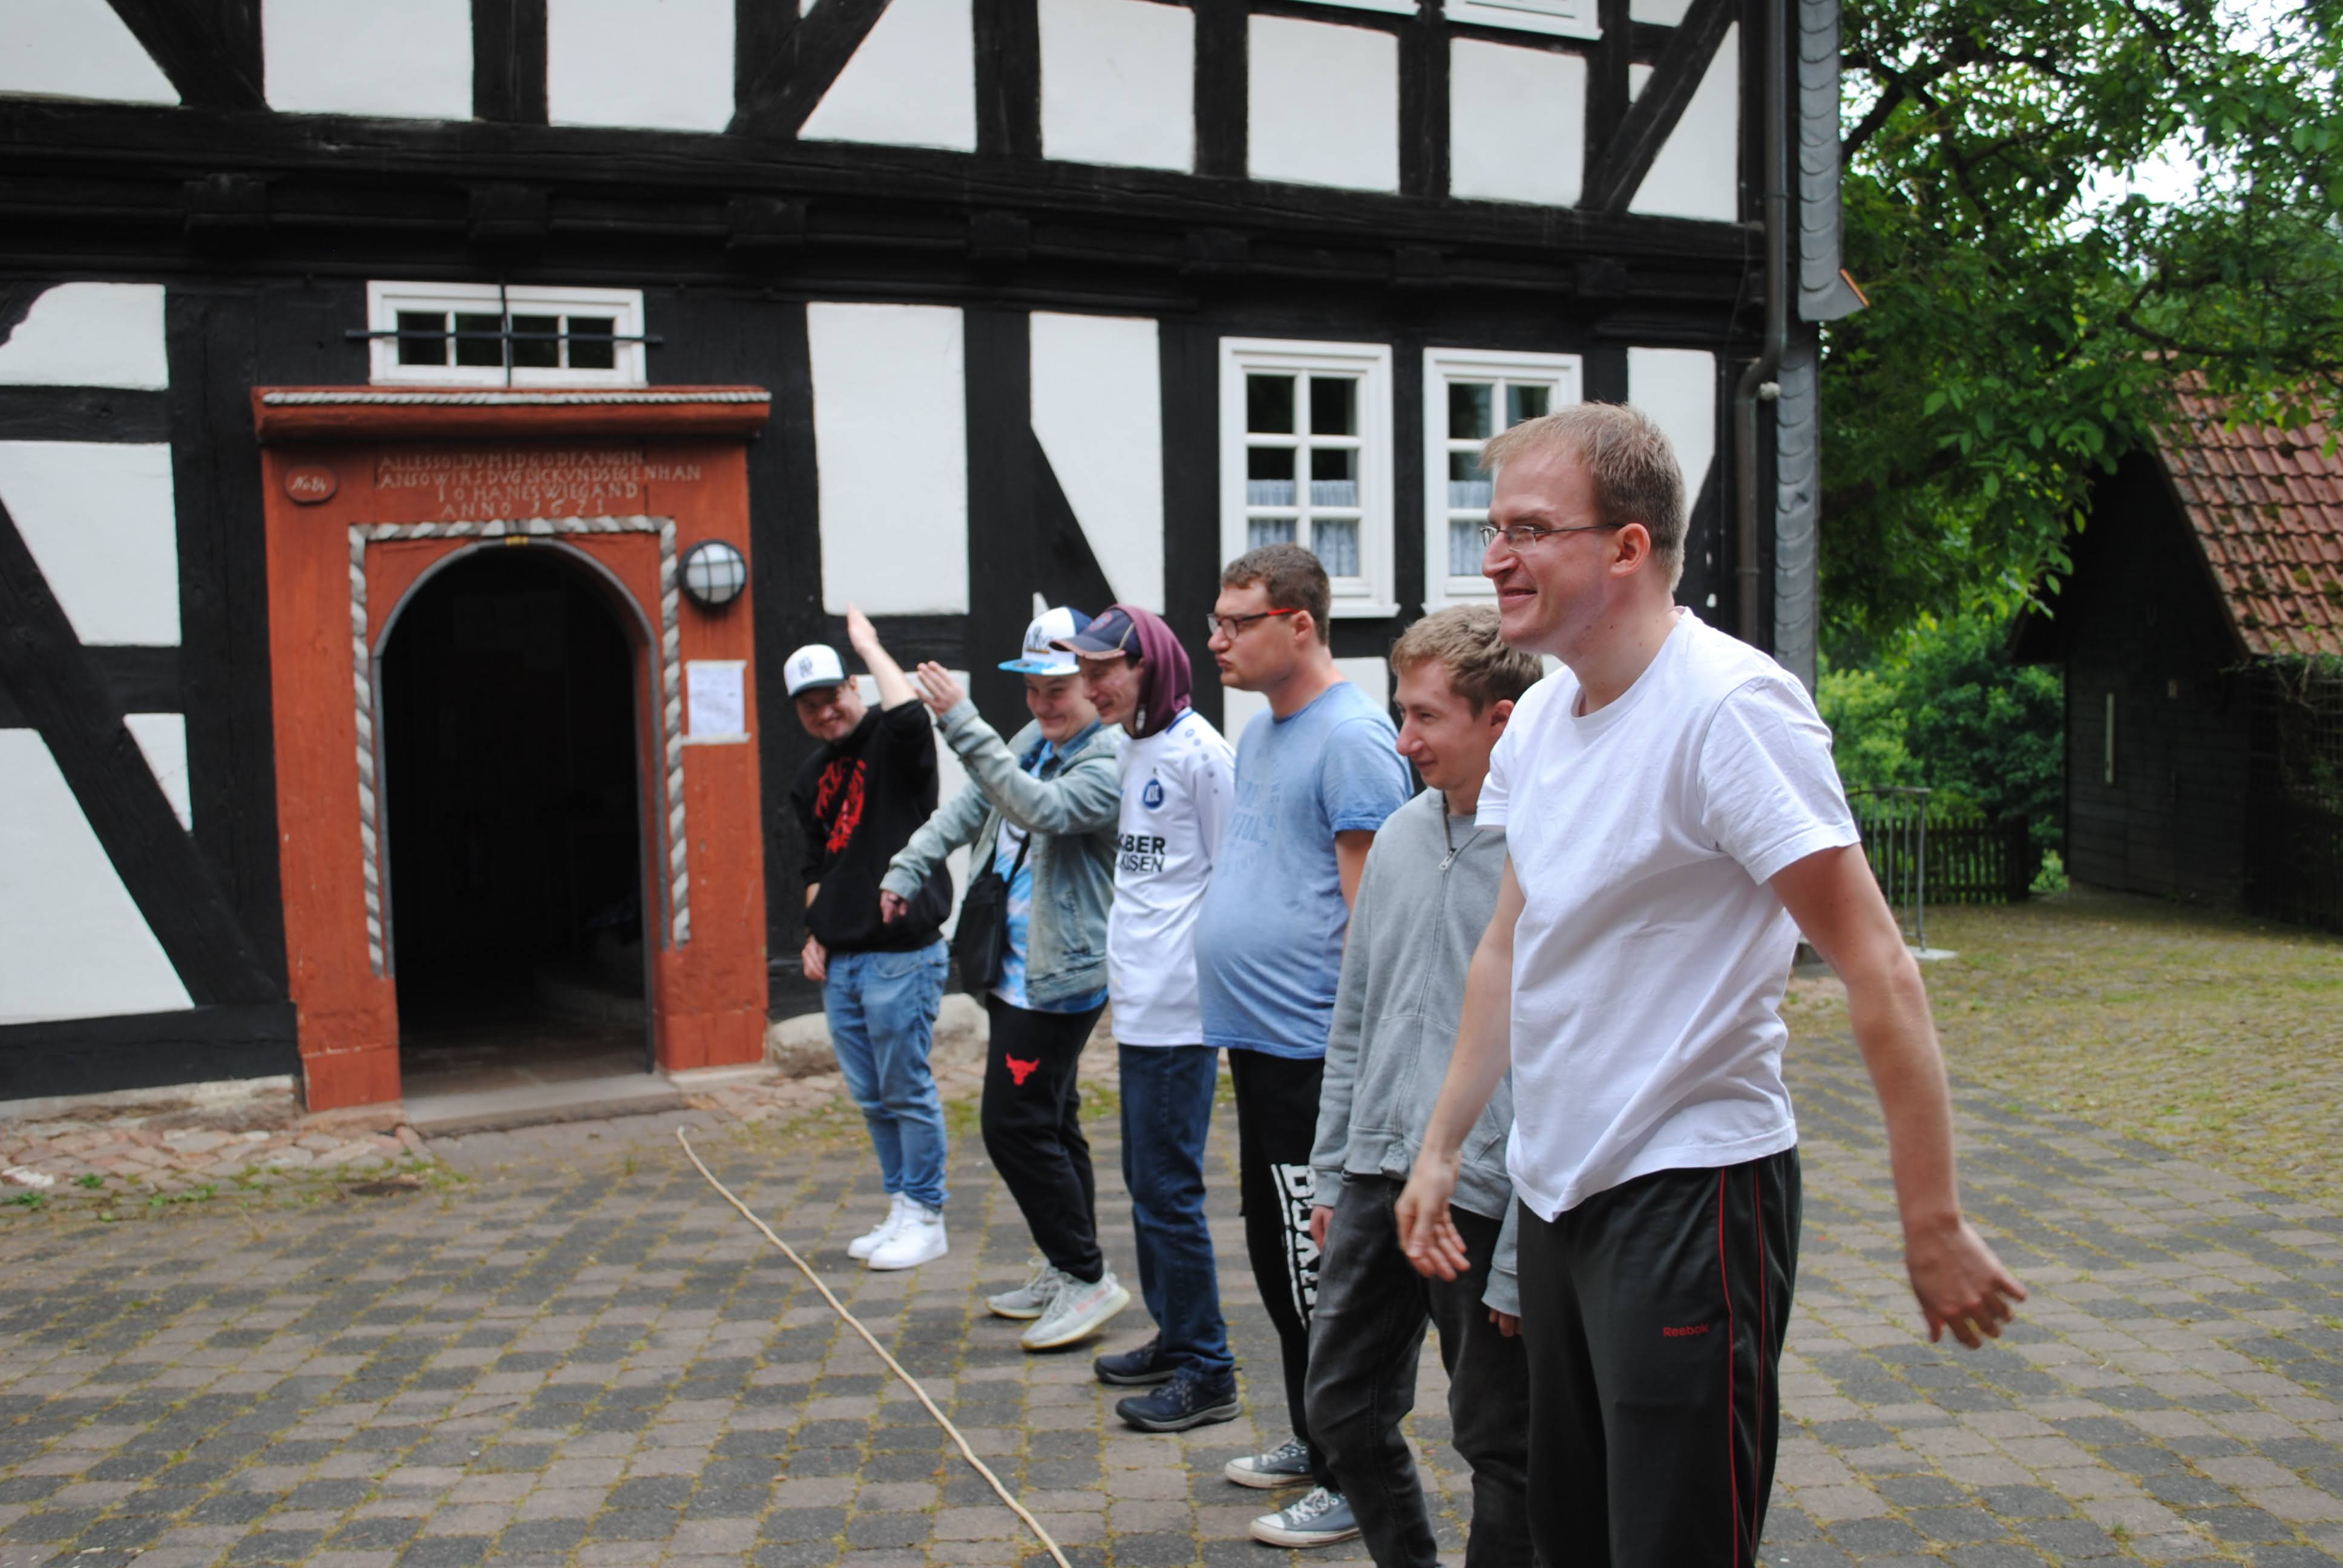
1420,914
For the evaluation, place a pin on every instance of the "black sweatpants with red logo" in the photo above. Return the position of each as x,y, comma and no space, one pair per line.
1033,1123
1654,1316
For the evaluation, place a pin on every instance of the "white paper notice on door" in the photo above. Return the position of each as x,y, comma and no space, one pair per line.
715,693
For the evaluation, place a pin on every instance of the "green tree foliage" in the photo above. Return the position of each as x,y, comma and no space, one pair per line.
1946,710
2030,312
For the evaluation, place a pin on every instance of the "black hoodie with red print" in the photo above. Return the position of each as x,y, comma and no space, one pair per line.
858,802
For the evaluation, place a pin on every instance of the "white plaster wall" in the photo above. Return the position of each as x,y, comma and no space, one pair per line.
1118,83
913,84
890,440
1098,409
665,64
1698,171
1516,123
77,49
1677,387
1322,103
1239,709
163,738
89,335
72,942
1638,77
99,521
1666,13
413,59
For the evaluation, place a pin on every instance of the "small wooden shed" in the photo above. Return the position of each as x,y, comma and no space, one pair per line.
2201,632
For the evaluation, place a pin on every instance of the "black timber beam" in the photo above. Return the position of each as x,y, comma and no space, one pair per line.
509,60
794,62
149,1050
82,414
210,50
1628,157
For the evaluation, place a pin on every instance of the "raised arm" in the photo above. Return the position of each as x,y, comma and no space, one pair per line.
1483,1052
956,822
1083,798
894,685
1960,1284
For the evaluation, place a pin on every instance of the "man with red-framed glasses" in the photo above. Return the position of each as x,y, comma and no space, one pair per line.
1316,778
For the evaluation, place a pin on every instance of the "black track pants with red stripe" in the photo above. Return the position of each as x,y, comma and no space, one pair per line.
1654,1316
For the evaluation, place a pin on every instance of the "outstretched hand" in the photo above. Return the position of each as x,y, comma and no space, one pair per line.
891,909
1960,1284
938,690
1427,1231
860,633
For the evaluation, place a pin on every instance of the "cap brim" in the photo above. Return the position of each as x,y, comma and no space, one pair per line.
1085,646
819,683
1035,667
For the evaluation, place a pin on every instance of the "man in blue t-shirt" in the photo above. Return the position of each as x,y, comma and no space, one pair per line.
1315,776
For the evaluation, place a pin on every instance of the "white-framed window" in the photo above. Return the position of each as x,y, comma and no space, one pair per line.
1555,18
1388,7
1469,396
1305,459
480,335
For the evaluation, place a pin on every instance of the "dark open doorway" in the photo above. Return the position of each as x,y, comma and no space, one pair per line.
512,807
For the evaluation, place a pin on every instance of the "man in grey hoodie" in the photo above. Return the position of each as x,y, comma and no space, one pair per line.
1431,884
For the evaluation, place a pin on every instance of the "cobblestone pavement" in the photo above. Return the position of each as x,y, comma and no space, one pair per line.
581,1355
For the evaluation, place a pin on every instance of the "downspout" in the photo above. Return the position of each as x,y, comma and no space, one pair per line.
1758,384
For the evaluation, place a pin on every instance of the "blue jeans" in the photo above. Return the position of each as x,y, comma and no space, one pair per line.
1167,1109
882,1023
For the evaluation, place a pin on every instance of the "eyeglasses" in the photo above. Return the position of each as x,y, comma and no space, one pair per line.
1215,625
1521,535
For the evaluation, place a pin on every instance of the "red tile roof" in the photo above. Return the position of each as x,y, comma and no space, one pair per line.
2266,506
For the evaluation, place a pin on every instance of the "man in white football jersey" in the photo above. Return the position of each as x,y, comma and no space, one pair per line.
1177,774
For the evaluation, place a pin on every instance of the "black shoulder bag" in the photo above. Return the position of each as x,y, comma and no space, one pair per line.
981,940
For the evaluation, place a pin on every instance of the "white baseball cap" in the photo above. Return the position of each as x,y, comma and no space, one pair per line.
1041,656
813,666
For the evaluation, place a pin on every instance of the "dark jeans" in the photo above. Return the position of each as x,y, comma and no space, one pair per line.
1365,1339
1653,1314
1277,1121
1167,1109
1034,1130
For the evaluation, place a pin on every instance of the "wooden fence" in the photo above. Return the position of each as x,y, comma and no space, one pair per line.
1970,860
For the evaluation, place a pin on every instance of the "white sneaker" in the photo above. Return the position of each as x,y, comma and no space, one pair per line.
865,1245
1032,1299
919,1239
1078,1311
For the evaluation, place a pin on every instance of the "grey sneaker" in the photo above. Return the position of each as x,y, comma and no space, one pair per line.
1287,1465
1033,1298
1318,1519
1078,1311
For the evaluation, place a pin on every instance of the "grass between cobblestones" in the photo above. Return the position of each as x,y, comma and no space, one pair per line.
2212,1036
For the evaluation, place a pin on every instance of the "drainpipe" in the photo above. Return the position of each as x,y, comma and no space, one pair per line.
1758,384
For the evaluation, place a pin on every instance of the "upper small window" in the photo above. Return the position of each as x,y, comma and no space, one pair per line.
480,335
1305,459
1470,395
1560,18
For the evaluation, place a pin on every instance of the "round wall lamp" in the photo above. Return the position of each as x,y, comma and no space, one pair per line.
714,573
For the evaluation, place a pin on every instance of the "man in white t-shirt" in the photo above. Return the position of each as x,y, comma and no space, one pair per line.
1177,777
1673,822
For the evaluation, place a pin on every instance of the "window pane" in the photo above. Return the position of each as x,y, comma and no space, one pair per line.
1336,545
432,350
585,353
479,340
1269,404
1468,482
1269,476
1469,403
1526,403
1464,549
1260,531
536,342
1333,406
1333,477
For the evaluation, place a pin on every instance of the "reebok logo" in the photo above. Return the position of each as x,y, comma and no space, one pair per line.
1685,1332
1020,1071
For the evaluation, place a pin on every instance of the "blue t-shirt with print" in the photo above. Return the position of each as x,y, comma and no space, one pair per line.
1017,910
1269,939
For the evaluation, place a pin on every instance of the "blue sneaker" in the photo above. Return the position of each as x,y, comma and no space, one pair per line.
1321,1519
1190,1399
1136,1369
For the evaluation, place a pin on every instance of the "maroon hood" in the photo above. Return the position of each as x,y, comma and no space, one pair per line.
1165,684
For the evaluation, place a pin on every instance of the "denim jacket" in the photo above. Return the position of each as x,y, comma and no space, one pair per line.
1071,814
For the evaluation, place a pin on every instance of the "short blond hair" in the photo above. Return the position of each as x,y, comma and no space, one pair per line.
1469,642
1630,460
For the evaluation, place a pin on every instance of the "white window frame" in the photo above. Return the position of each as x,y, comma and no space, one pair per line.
1370,594
624,307
1555,18
1386,7
1562,376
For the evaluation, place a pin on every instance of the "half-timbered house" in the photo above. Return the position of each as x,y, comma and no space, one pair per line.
312,312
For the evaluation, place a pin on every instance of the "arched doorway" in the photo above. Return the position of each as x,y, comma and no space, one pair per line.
513,822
